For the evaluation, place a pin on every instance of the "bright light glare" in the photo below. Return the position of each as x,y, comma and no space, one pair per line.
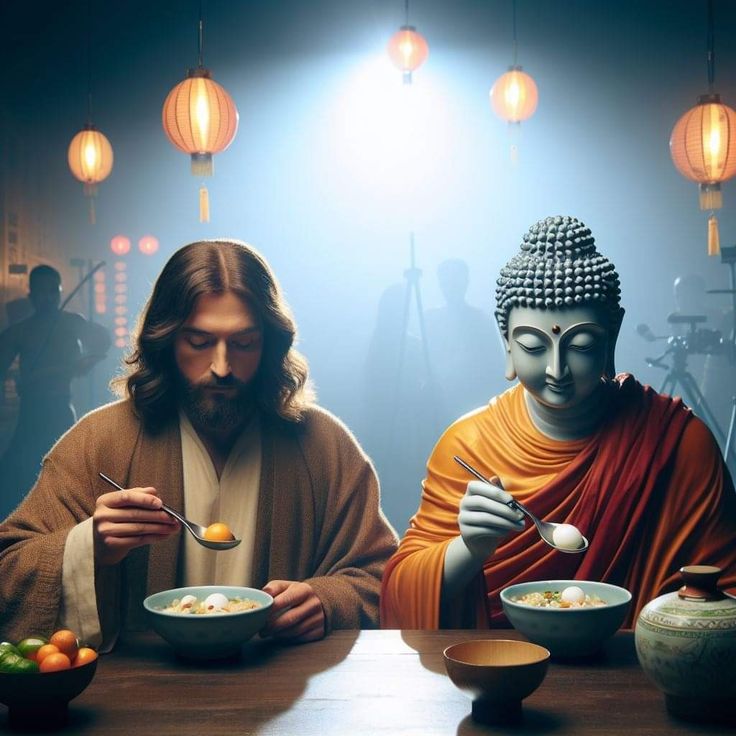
512,95
90,157
407,49
714,142
390,137
202,114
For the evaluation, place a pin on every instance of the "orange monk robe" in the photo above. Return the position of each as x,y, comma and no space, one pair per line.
649,490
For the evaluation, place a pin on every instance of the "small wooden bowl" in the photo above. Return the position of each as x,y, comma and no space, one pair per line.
497,674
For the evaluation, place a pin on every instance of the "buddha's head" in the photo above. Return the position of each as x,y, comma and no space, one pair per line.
559,313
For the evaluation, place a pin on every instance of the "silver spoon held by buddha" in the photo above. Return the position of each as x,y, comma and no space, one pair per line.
196,530
546,529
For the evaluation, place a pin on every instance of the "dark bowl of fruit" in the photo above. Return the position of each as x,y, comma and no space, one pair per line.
39,676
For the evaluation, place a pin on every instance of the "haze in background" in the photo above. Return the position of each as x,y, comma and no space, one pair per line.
335,162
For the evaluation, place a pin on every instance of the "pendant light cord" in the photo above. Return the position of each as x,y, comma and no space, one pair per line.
513,22
711,53
406,12
200,36
89,62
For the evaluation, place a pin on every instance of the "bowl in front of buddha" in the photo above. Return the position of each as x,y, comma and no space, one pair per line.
572,631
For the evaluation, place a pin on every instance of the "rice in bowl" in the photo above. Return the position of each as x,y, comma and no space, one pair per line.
557,599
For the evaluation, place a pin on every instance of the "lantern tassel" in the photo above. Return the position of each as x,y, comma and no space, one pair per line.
204,204
714,243
514,129
92,214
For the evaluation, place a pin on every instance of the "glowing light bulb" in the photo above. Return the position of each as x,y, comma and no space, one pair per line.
202,115
90,156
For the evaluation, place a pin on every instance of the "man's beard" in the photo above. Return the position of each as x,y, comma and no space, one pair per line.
213,411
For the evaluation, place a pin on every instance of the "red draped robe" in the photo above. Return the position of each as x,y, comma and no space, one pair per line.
649,490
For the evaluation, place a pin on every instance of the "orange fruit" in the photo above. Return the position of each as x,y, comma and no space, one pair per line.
218,532
55,662
85,655
44,651
66,641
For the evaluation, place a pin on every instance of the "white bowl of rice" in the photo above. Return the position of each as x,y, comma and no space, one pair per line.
571,618
208,621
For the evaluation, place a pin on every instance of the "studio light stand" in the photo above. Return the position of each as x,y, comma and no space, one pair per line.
412,295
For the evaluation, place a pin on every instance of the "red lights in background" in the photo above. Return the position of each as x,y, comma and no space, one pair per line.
100,291
148,245
117,294
121,304
120,245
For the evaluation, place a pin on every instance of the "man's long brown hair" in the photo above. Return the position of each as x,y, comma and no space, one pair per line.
281,386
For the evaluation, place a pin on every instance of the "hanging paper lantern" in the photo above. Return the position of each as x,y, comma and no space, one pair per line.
200,118
514,95
703,149
408,50
90,160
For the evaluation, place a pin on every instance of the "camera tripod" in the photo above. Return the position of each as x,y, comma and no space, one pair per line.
679,375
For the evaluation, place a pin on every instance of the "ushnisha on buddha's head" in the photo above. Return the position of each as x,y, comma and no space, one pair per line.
559,313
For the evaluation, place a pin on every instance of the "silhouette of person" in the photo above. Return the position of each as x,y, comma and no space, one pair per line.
397,431
463,345
53,347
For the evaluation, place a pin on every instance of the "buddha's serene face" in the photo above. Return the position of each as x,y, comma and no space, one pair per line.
559,356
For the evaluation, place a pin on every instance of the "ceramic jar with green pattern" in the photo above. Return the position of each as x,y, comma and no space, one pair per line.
686,644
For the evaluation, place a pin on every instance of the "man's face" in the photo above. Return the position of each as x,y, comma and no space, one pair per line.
559,356
217,351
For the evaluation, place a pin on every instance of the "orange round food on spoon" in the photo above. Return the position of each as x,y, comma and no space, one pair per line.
218,532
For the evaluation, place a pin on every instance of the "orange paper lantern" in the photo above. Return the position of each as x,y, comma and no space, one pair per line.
514,95
90,160
703,149
200,118
408,50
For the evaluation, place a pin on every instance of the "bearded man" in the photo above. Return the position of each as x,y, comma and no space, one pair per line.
636,472
218,421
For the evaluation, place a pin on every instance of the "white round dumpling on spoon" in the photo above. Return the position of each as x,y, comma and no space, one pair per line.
567,536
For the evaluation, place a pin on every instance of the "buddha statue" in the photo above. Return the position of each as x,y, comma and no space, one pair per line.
635,471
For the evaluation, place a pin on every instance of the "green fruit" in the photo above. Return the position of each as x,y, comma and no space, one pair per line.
27,666
6,646
11,662
30,645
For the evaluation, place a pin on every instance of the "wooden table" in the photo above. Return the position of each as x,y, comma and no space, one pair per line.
353,683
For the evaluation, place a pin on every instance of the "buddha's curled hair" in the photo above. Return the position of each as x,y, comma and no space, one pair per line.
558,266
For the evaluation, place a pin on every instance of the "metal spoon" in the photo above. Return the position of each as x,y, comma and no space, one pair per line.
545,528
195,530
